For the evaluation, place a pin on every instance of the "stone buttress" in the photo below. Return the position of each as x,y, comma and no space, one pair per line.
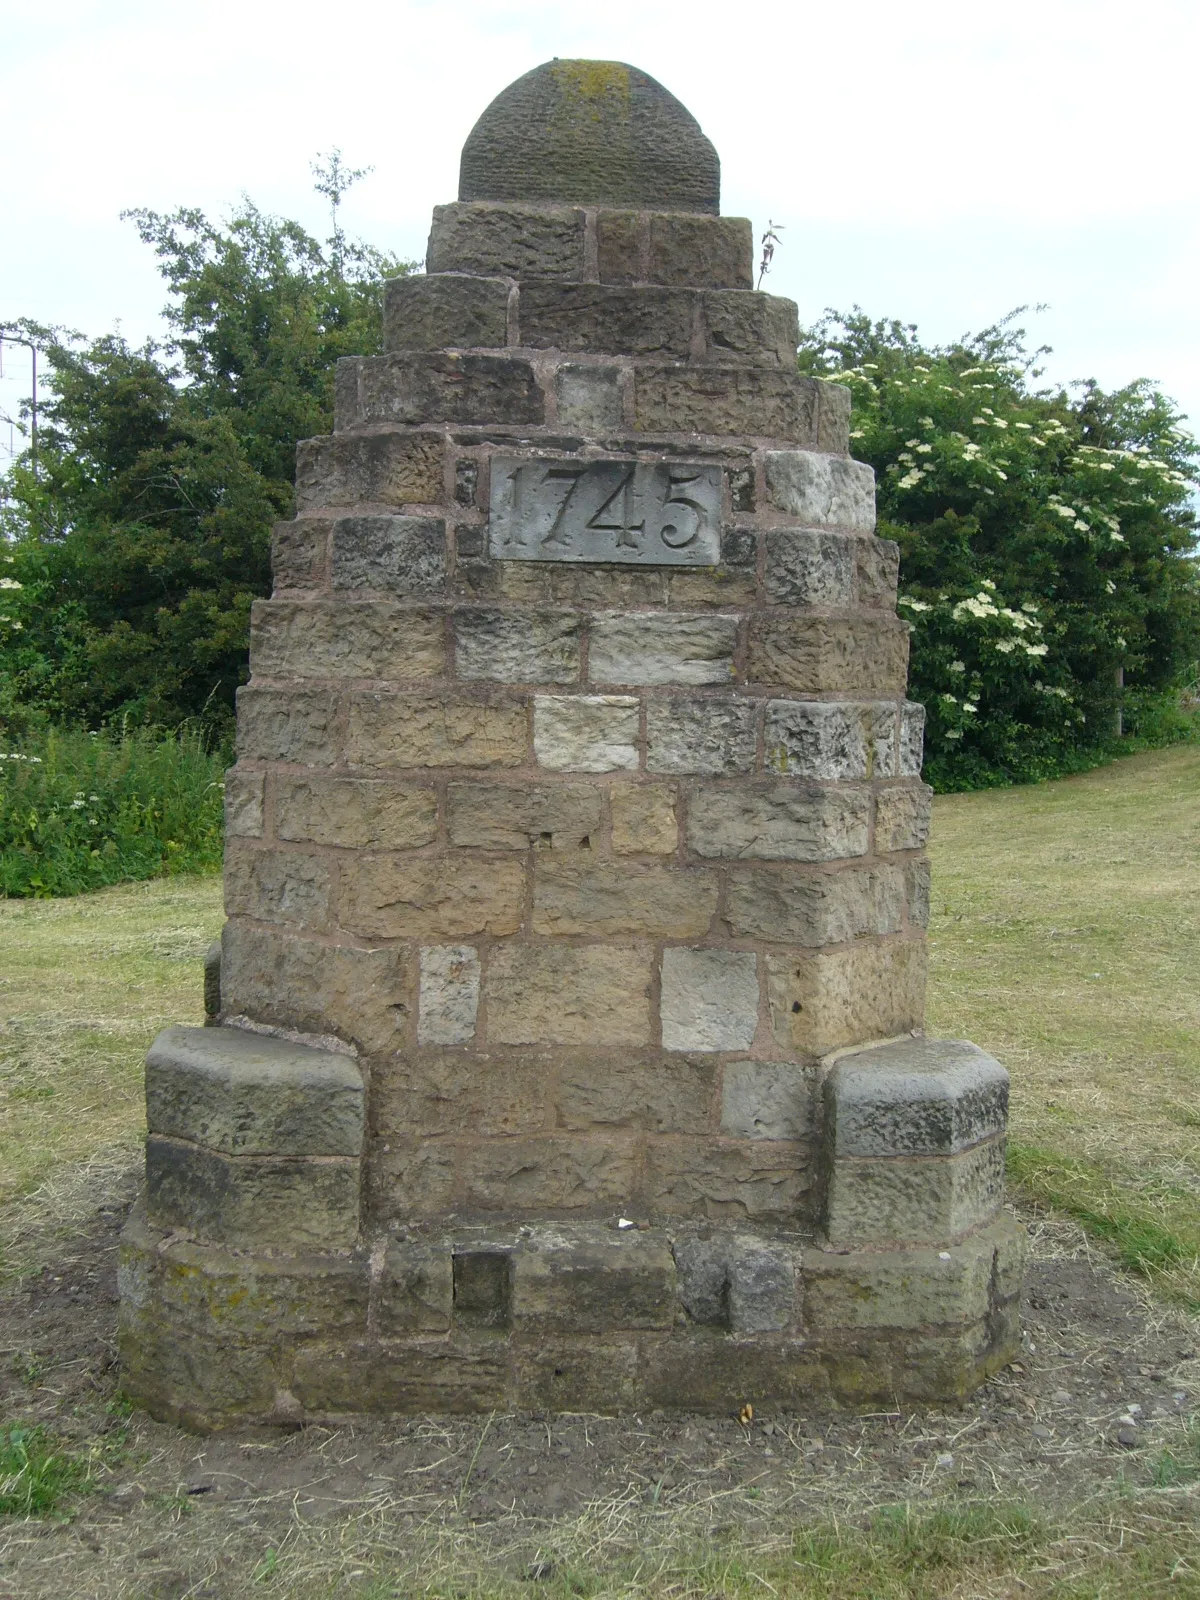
567,1045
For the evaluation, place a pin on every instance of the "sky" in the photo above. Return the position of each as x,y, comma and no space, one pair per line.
937,162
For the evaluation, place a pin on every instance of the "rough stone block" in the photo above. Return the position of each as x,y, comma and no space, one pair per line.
590,317
507,241
913,1198
781,823
354,813
719,1375
619,246
592,1280
820,1002
833,418
439,311
607,897
401,555
708,736
814,908
444,386
589,397
919,1097
495,816
517,646
276,885
395,731
286,725
392,1377
546,1175
821,655
253,1202
763,402
916,891
415,1293
433,1091
249,1094
877,572
299,552
830,740
738,1281
431,897
912,739
483,1285
767,1100
391,469
824,491
902,817
702,252
716,1179
755,328
568,994
586,733
348,640
709,999
449,994
641,647
410,1178
809,569
212,984
575,1374
243,804
647,1094
643,819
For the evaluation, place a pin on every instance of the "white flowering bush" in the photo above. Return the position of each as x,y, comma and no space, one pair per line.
1047,544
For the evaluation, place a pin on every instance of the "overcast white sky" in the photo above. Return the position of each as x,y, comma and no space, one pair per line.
940,162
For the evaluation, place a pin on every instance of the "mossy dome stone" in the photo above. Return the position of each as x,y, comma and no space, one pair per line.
590,133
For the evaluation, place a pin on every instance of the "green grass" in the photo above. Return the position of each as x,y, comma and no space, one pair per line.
81,810
37,1472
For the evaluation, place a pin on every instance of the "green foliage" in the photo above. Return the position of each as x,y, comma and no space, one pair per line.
1045,545
80,810
36,1472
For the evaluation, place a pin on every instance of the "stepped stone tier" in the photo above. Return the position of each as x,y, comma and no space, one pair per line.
565,1045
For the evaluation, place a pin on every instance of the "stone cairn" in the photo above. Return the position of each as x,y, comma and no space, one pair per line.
564,1045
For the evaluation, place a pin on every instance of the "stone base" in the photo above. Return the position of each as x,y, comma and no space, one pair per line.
560,1317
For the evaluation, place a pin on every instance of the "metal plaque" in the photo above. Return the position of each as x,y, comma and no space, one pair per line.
644,513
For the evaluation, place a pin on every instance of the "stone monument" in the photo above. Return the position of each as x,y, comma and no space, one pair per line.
565,1039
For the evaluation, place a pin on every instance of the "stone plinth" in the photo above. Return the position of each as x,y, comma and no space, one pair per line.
567,1028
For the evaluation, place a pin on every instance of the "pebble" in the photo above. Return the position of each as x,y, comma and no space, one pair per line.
945,1461
1041,1431
1061,1397
1127,1437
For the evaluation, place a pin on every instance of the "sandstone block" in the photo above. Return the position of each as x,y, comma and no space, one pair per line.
347,640
912,739
619,237
824,491
507,241
212,984
647,1094
590,316
299,552
831,740
737,1281
395,731
517,646
399,1376
916,891
552,1174
809,569
449,994
483,1280
496,816
416,1289
708,736
704,252
918,1198
443,386
643,819
833,420
902,817
439,311
276,885
814,908
431,897
577,1374
354,813
641,647
402,555
918,1097
586,733
589,397
817,655
568,994
781,823
432,1091
763,402
877,572
718,1375
820,1002
391,469
767,1099
750,327
286,725
243,804
726,1179
410,1178
607,897
590,1280
709,999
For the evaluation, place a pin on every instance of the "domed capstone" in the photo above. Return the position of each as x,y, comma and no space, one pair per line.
591,133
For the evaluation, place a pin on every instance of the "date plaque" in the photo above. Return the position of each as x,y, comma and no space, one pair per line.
638,513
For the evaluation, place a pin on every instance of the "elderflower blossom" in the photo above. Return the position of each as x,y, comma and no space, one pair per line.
1005,646
914,605
969,705
911,478
924,449
979,605
10,583
1110,587
1035,649
958,666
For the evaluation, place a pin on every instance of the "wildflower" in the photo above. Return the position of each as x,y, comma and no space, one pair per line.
1027,427
1110,587
924,449
999,422
1028,605
954,733
10,583
987,583
1005,646
910,442
1064,511
857,433
982,421
926,422
1117,538
911,478
1000,474
1034,649
958,666
913,605
948,699
969,705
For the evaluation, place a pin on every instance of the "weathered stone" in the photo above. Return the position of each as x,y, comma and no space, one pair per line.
286,725
299,553
833,420
243,804
432,1091
517,646
682,1374
918,1097
551,1174
443,386
391,469
918,1199
902,818
449,994
396,731
466,492
277,885
877,572
830,740
415,1293
390,1377
709,999
708,736
483,1285
411,1178
568,994
585,1279
636,647
439,311
643,819
750,327
819,655
607,897
402,555
779,823
867,990
348,640
916,891
493,816
589,398
622,246
912,739
814,908
809,569
718,1178
509,241
705,252
248,1094
591,316
578,1374
586,733
212,984
654,1094
824,491
354,813
759,401
767,1099
431,897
